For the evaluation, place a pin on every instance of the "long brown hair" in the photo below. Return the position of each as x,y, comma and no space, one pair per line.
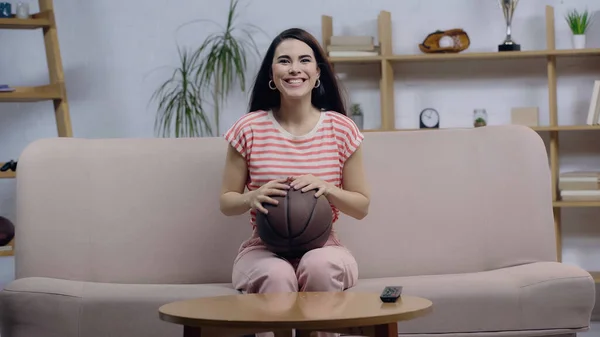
328,96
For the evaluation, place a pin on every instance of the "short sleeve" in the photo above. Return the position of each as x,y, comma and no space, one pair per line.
237,136
352,138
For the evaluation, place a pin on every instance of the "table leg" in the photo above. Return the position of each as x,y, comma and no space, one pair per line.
386,330
191,331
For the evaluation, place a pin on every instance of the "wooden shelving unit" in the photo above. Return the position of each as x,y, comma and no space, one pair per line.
530,54
54,90
38,20
33,94
387,59
7,174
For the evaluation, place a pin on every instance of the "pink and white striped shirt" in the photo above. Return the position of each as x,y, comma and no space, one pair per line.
272,153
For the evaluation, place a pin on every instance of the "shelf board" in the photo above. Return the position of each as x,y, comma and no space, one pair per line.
595,275
9,249
357,59
576,203
38,20
567,128
471,56
32,94
535,128
574,52
497,55
7,174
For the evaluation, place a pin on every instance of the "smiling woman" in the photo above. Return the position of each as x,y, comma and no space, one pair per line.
294,78
295,136
296,54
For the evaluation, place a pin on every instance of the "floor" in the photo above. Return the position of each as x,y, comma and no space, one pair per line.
594,331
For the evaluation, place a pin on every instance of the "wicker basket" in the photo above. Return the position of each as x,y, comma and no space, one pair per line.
431,44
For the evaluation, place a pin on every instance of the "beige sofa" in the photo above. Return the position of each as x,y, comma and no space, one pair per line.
109,230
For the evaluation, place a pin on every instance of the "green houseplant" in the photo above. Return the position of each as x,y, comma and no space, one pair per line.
579,24
204,78
480,117
356,113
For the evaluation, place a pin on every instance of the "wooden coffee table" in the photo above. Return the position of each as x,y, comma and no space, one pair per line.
353,313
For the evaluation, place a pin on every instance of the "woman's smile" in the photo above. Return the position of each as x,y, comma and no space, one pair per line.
294,82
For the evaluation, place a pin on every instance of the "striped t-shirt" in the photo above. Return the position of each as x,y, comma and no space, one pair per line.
272,153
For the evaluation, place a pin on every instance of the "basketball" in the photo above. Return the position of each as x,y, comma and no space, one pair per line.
298,223
7,231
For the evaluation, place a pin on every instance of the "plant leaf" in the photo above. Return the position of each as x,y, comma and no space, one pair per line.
211,70
578,22
180,107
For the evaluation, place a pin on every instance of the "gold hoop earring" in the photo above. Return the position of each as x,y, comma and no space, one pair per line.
318,83
272,87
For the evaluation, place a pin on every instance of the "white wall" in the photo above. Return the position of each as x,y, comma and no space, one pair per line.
115,53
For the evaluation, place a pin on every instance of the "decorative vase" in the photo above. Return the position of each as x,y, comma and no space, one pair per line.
358,120
22,10
578,41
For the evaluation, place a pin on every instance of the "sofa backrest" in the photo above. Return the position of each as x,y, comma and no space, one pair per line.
147,210
125,211
453,201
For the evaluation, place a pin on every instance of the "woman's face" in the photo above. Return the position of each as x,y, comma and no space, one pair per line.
295,70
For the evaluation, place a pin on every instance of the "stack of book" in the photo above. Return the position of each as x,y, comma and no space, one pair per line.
579,186
352,46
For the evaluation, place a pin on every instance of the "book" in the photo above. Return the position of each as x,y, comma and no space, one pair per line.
593,117
353,53
349,40
579,181
352,46
6,88
360,47
580,195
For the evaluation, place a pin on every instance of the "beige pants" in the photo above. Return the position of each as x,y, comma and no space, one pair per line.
331,268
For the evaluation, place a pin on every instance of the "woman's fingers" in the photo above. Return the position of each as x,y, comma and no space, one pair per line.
320,192
260,208
268,199
276,191
282,186
262,199
300,184
309,187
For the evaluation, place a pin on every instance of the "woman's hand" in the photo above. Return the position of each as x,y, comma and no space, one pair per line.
309,182
263,194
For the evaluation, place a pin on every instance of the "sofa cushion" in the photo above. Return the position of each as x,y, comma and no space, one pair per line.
42,307
534,296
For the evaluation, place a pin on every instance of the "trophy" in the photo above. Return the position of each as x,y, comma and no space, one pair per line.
508,8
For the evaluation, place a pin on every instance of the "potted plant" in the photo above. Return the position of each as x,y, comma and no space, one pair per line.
203,80
479,122
357,115
479,118
578,23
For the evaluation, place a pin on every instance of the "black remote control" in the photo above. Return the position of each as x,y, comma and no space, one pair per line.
390,294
